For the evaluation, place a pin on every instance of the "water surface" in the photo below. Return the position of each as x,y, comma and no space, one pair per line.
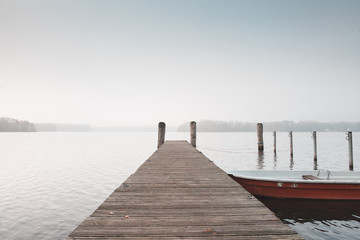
50,182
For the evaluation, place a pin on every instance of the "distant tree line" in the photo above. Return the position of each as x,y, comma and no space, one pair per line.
283,126
56,127
14,125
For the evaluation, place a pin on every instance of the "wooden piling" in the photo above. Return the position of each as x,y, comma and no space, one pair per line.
291,143
351,162
193,133
260,137
274,134
315,145
161,134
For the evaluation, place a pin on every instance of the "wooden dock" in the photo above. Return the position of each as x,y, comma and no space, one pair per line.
178,193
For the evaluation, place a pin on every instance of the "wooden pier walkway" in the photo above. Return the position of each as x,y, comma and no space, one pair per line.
178,193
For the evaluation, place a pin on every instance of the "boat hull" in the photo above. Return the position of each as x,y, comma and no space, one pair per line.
299,189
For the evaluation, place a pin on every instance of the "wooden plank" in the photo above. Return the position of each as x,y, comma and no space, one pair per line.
179,193
164,221
210,237
245,211
310,177
184,231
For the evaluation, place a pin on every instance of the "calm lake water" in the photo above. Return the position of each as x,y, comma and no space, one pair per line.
50,182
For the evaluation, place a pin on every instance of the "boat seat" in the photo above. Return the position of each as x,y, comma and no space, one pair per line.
310,177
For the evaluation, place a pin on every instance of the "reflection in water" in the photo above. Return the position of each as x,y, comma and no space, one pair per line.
260,164
315,165
318,219
291,163
275,161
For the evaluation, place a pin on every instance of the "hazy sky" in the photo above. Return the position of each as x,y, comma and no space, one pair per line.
140,62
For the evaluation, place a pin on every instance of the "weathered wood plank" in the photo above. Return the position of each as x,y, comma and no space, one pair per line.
214,237
179,193
185,230
123,221
244,211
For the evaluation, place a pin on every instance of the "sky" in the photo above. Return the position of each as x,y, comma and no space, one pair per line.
132,62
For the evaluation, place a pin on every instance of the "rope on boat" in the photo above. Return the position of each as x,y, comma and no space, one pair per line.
239,150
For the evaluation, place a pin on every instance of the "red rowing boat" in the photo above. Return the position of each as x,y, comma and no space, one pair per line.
334,185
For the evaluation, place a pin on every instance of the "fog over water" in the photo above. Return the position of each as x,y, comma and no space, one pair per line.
130,63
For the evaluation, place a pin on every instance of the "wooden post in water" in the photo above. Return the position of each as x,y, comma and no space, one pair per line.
291,144
274,133
351,163
260,137
193,133
315,145
161,134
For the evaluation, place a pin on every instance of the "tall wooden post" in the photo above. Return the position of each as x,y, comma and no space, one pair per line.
315,145
161,134
274,134
351,162
193,133
260,137
291,144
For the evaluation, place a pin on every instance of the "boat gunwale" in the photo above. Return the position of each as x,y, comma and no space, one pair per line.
295,179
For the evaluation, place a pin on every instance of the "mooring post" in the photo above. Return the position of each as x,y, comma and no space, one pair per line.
260,137
161,134
291,144
351,163
193,133
274,134
315,145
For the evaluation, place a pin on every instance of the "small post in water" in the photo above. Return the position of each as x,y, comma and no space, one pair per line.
351,163
291,144
315,145
274,134
161,134
260,137
193,133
